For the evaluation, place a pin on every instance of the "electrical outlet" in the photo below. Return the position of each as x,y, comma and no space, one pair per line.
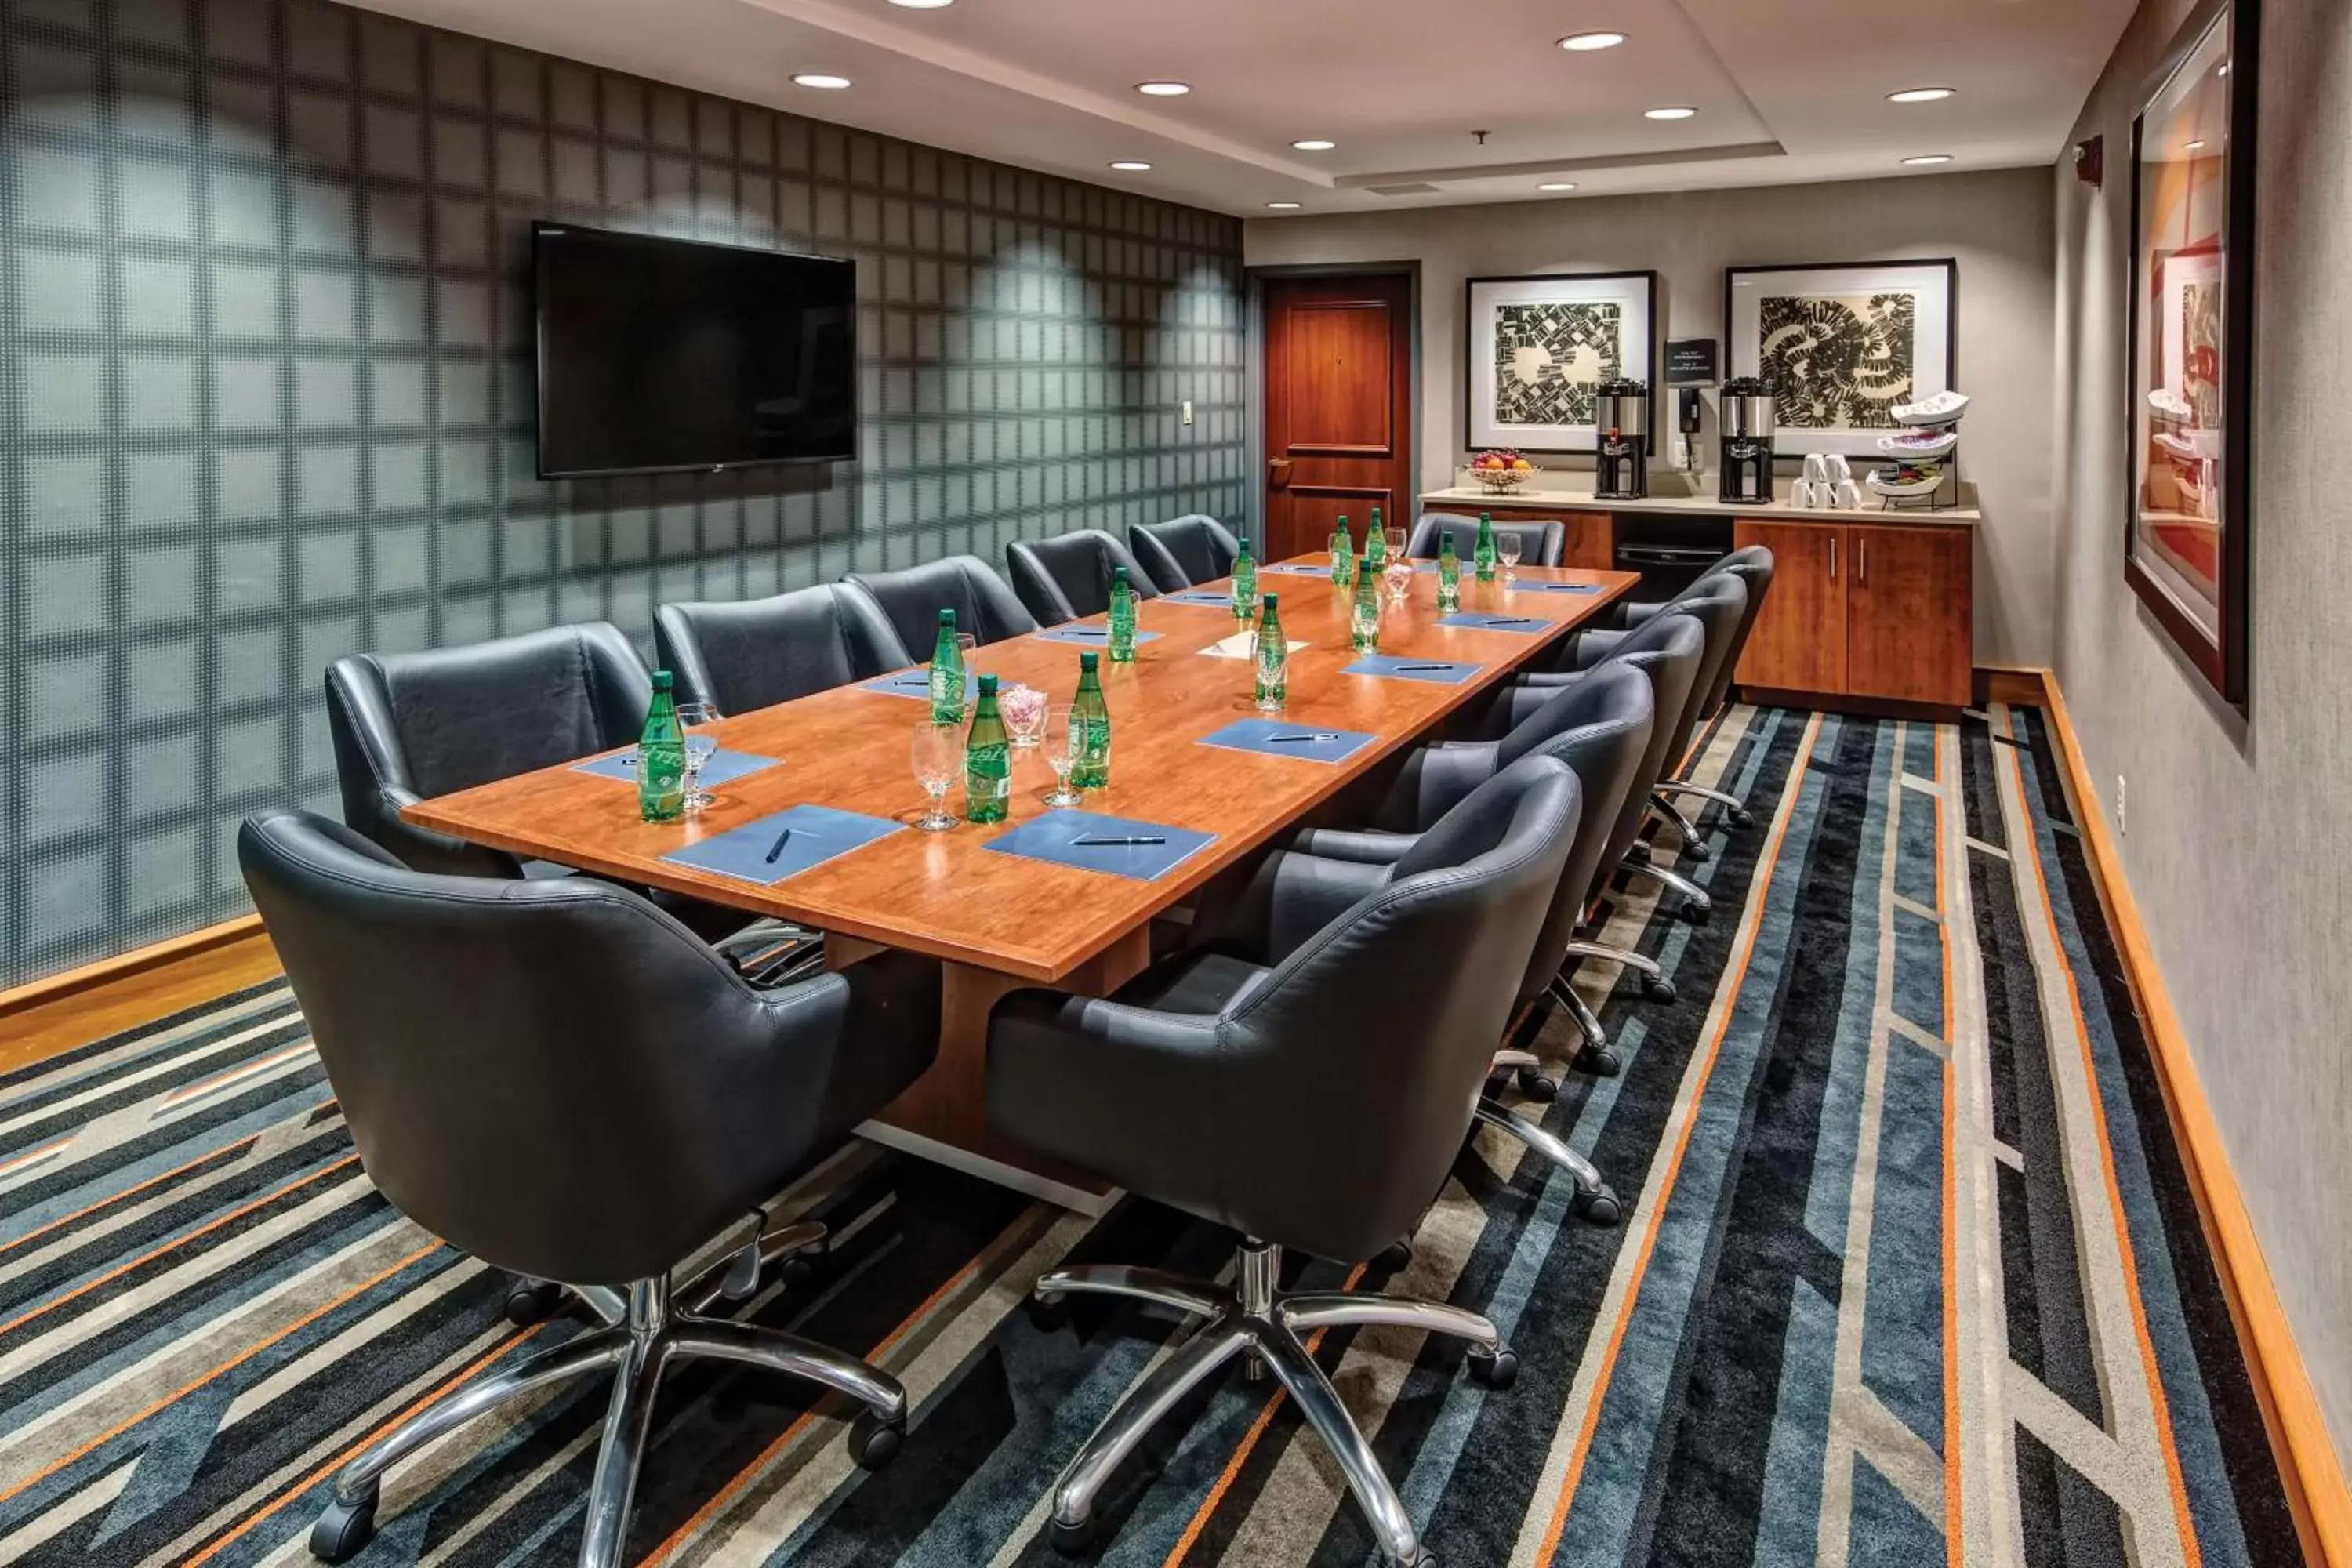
2123,809
1188,411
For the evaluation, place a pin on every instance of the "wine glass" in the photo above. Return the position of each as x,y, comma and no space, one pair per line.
1394,536
699,750
1398,573
1067,743
1509,544
1270,664
1023,707
938,762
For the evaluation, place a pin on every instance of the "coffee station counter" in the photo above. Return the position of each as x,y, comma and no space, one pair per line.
1475,498
1870,608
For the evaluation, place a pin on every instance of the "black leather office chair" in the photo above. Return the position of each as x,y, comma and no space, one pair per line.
1067,577
1601,727
911,599
1184,550
557,1079
410,726
1753,567
1540,544
1306,1079
745,654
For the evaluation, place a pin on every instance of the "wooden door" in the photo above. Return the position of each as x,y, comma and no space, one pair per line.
1906,630
1339,407
1798,640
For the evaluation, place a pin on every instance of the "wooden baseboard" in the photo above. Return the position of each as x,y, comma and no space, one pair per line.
2308,1464
2021,684
66,1011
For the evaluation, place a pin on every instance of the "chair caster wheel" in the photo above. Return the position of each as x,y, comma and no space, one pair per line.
797,1269
1695,912
1696,849
1598,1063
874,1442
1049,1311
1070,1540
1656,989
1393,1259
343,1527
1426,1560
1498,1370
1534,1086
529,1301
1741,816
1599,1207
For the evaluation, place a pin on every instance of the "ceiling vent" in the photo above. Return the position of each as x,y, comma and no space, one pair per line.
1415,189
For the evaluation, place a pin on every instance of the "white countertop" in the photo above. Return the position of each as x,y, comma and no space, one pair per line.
1474,498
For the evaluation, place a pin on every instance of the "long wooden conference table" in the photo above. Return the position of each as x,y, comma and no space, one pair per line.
1001,921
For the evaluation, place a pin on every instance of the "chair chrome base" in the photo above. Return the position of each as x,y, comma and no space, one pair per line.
1595,1200
1694,841
1594,1055
1735,808
735,1275
1655,986
1256,1319
1696,905
638,1350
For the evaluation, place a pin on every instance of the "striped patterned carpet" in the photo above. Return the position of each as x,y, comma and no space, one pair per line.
1911,1276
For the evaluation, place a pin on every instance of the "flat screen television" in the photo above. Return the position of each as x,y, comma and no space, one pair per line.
664,354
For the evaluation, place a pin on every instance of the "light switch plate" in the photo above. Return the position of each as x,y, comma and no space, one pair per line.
1188,411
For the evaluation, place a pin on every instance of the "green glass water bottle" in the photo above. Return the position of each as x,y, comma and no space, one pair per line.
1376,545
987,759
1484,557
1244,582
947,673
1343,555
1364,610
1449,572
1092,770
1122,617
1271,656
661,757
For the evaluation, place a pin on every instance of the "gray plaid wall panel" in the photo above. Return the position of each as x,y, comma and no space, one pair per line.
264,330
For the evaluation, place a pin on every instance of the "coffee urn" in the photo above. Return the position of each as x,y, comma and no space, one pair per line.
1747,442
1621,441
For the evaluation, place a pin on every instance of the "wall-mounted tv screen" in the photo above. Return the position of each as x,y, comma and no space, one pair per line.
666,355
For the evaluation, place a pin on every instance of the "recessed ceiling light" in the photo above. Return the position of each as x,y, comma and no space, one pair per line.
1585,43
1283,207
2196,146
1163,88
1557,185
1925,159
822,81
1920,95
923,4
1130,165
1675,113
1315,144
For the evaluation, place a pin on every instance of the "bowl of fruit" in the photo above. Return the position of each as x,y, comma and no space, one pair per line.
1500,470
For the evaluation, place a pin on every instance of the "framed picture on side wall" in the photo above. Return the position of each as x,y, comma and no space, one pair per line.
1842,344
1539,347
2191,304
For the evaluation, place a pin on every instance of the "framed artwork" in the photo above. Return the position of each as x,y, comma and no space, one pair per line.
1540,346
2191,304
1843,344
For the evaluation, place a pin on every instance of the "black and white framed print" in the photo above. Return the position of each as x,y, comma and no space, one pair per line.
1842,344
2190,303
1539,347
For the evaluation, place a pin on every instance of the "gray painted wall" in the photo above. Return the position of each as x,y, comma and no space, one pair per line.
1996,224
2239,853
263,326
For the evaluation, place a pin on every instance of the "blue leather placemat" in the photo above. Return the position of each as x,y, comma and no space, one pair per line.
1316,746
723,766
1050,837
1089,637
1403,669
1199,596
914,683
1486,621
1524,586
819,833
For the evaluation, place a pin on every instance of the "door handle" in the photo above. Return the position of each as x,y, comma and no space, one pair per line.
1277,471
1833,557
1862,569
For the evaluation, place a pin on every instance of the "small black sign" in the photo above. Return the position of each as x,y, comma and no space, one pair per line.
1690,362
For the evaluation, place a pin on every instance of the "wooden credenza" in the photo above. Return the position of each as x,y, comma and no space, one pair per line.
1874,611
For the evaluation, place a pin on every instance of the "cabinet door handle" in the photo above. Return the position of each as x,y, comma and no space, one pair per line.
1833,557
1861,568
